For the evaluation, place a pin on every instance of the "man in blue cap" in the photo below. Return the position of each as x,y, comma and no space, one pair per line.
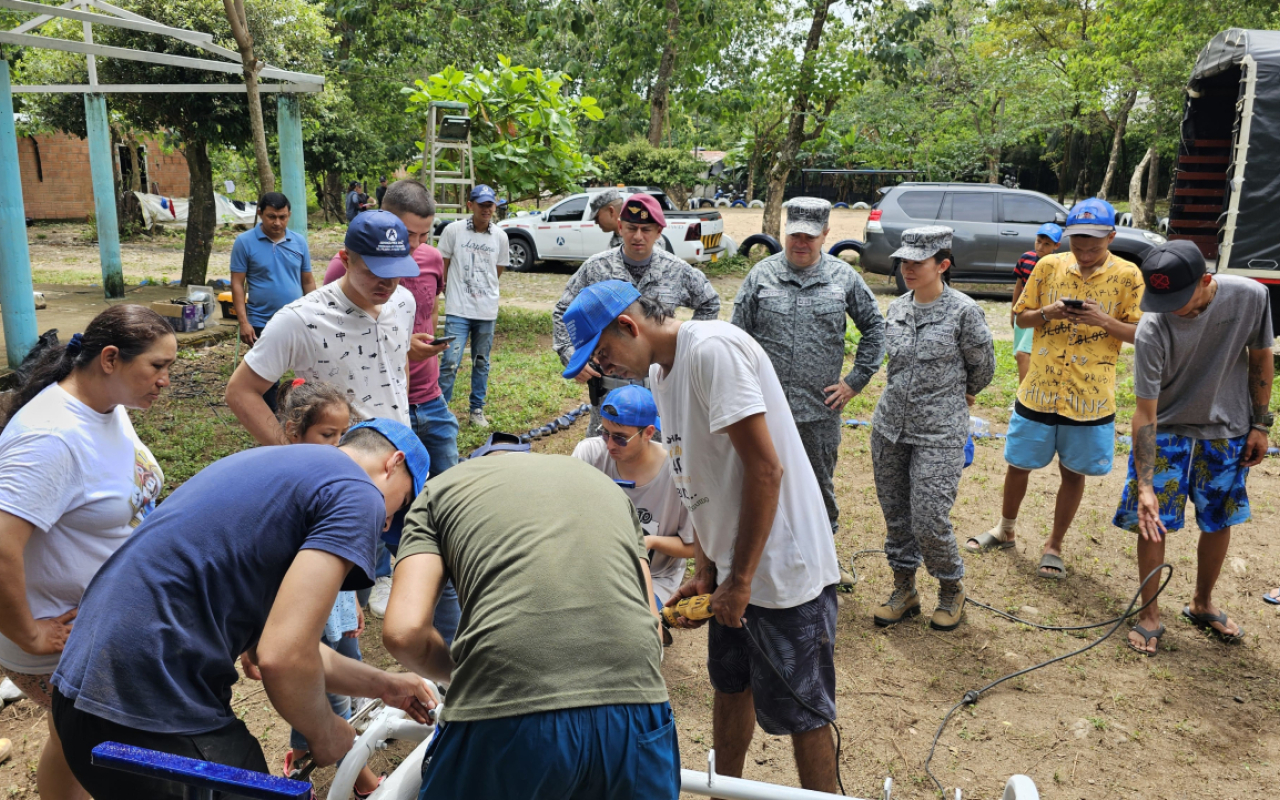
762,540
625,451
1082,305
1047,239
475,254
245,557
353,333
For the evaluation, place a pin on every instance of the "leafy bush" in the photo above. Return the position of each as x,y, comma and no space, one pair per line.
524,129
638,163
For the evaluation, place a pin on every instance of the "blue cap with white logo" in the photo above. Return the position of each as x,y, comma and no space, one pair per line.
632,406
483,194
406,441
1092,217
589,314
1051,230
382,242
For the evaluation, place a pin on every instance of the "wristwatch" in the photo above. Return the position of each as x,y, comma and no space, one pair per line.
1264,422
1042,316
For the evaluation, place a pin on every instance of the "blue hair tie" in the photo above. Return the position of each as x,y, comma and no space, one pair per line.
75,345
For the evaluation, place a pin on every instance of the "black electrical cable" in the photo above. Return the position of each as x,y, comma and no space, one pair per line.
971,697
798,699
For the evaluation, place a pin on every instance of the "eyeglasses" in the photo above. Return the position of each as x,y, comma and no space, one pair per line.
618,438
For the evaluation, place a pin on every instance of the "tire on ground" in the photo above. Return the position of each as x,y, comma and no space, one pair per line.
722,203
856,245
523,256
756,204
759,240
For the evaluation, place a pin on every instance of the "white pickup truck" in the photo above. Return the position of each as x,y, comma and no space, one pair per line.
564,233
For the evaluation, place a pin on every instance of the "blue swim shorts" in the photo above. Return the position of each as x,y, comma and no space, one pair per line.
1083,449
1206,470
613,752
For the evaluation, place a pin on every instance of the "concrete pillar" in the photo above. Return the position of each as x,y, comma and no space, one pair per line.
17,305
104,195
293,181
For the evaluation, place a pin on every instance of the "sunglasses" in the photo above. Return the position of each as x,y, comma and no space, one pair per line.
619,439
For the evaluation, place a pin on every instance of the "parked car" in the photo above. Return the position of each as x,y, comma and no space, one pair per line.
563,232
993,224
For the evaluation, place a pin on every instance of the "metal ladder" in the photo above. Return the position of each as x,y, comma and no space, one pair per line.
441,117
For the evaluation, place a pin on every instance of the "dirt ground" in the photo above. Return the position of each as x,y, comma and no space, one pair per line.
1200,720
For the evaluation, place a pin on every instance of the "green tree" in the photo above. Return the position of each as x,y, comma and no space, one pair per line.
638,163
524,126
290,34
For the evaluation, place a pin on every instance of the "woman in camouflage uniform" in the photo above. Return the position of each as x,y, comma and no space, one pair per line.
940,356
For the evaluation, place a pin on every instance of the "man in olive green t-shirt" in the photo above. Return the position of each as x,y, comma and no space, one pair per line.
555,665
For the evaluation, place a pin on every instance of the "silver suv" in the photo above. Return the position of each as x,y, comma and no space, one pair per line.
994,225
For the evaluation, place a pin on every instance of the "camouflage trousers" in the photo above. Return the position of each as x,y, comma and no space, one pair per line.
822,444
917,487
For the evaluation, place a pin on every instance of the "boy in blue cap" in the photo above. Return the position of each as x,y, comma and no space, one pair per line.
1083,305
475,254
152,659
762,543
1047,239
625,451
353,333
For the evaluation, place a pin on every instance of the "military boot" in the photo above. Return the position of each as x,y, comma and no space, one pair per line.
950,606
904,603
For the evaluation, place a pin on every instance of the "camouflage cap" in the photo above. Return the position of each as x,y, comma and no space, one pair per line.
602,199
808,215
919,244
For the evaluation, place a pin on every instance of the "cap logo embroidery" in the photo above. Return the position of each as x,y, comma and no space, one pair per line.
644,215
634,209
1086,215
391,235
1160,281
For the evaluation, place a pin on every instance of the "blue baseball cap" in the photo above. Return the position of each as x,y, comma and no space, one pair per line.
1092,217
632,406
589,314
406,441
1052,231
483,193
382,242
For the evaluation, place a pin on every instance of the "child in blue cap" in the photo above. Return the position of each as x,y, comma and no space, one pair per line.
1047,240
625,450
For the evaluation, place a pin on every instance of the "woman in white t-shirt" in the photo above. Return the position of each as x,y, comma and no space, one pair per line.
75,481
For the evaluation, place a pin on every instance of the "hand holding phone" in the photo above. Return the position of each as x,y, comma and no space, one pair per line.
442,340
1072,303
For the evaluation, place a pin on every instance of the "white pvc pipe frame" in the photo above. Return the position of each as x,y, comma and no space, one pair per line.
405,782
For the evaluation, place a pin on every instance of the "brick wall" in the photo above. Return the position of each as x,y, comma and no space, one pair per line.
66,191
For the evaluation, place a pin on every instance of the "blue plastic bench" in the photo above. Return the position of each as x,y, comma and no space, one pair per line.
201,778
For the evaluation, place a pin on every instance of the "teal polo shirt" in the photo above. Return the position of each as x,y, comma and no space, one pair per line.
273,271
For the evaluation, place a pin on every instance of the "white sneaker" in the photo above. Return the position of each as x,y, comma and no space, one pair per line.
477,419
9,692
379,596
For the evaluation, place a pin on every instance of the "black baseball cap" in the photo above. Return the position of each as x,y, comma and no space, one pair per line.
1171,272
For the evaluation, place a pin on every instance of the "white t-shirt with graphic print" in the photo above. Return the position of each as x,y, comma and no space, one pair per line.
721,376
474,258
323,336
659,508
85,481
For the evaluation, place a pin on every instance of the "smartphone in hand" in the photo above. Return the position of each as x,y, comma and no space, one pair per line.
1071,303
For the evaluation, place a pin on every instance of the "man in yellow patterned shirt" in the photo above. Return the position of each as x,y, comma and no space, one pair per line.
1083,305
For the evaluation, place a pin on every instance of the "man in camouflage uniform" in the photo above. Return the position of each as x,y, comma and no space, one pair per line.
654,272
795,305
605,208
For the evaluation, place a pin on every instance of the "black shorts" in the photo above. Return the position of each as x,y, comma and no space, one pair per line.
80,732
800,642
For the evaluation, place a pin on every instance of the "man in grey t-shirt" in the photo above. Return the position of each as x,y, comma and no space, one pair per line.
1202,374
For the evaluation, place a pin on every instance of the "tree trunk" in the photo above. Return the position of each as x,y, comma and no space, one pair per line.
202,216
751,175
1117,143
332,198
1153,186
1136,205
1064,166
801,108
244,40
660,95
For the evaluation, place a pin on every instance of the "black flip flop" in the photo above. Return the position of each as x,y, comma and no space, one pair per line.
1147,635
1205,622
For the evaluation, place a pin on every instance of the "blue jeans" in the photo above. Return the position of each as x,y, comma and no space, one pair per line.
481,333
437,429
